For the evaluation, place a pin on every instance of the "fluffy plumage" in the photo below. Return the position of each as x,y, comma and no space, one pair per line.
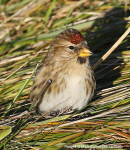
67,65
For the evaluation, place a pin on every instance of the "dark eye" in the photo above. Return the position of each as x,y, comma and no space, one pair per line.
71,47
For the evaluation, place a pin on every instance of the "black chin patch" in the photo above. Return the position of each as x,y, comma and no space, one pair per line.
81,60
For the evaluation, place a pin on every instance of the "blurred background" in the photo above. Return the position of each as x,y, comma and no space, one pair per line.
27,28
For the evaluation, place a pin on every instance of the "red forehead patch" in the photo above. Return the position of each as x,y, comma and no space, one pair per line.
76,38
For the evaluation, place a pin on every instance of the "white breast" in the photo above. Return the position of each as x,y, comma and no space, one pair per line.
73,95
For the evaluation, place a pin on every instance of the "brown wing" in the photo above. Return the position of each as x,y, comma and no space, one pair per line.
41,77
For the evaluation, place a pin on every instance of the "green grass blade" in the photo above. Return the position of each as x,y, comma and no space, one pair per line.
47,16
19,93
67,17
6,131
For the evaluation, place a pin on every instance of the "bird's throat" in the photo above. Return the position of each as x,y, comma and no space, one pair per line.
82,60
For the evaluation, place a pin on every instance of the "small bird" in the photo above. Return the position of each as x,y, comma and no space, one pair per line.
67,65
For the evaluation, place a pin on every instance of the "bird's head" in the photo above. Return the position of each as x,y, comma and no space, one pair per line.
70,44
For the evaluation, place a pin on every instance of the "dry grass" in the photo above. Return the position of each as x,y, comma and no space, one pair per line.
26,30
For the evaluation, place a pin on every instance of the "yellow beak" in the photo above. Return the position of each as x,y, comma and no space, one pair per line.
84,52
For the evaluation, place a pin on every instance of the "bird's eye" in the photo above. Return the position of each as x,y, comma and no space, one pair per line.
71,47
